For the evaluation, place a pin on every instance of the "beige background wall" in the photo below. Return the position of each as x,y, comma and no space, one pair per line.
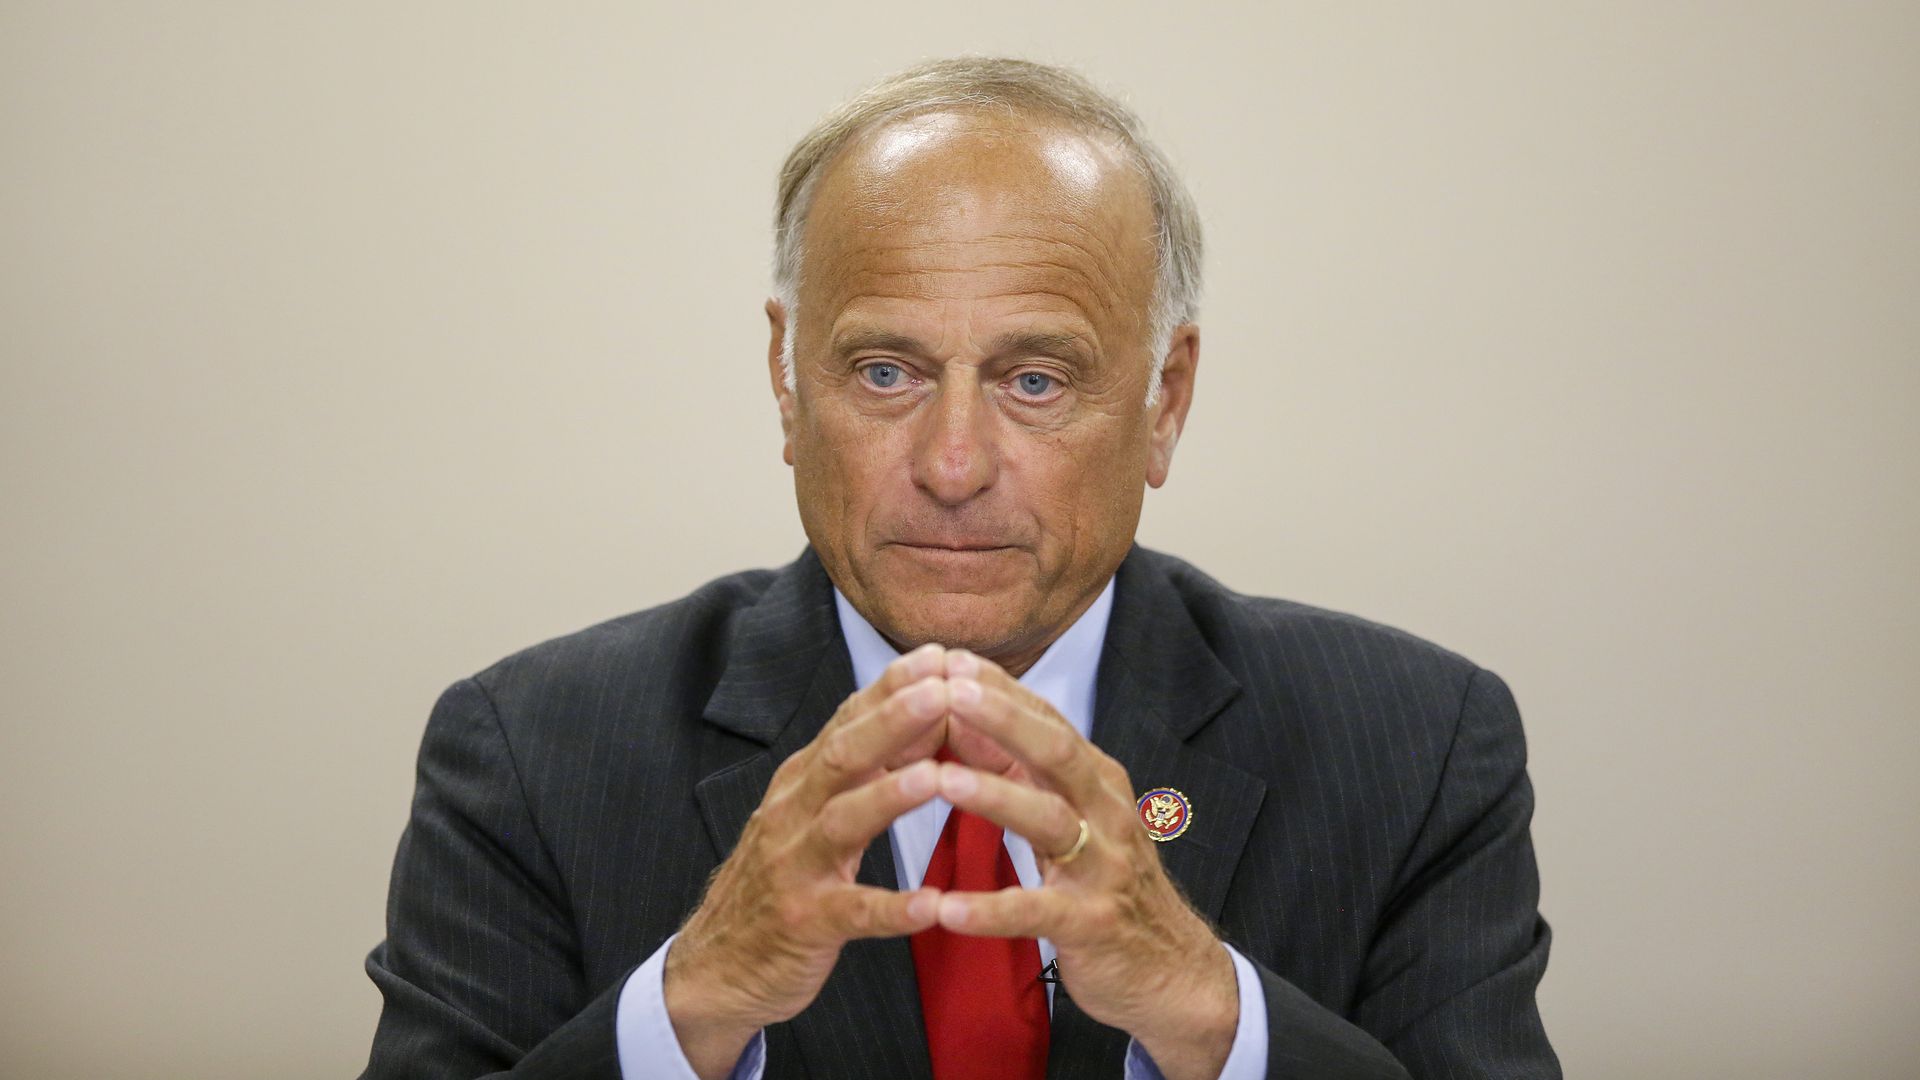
350,346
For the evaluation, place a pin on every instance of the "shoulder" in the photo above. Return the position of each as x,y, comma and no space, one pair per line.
1280,622
1327,696
700,614
1307,652
673,650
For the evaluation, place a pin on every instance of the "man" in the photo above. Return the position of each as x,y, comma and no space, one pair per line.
975,788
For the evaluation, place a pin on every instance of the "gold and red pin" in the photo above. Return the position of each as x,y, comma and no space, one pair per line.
1165,812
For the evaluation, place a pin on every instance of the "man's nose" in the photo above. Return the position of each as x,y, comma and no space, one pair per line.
955,457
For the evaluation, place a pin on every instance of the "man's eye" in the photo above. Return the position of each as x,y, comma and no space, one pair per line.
1033,383
883,376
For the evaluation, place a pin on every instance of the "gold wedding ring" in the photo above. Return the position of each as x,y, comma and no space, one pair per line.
1079,845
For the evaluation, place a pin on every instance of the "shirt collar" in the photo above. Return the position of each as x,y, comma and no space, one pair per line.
1063,676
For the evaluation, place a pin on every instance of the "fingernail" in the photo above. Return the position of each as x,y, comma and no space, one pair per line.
958,781
917,780
953,911
927,698
962,662
964,691
923,906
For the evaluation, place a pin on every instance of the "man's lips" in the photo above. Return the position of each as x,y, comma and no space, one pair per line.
954,546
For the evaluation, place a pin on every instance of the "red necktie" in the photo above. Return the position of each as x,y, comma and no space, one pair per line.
984,1003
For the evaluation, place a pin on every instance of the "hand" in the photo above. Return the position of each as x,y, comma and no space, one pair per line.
785,901
1133,953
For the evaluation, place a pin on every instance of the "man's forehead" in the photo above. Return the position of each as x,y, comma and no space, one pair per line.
959,190
958,148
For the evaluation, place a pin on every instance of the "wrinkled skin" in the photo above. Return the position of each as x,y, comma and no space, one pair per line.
971,441
973,264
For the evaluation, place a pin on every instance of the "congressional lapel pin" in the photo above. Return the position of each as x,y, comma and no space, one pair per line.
1165,812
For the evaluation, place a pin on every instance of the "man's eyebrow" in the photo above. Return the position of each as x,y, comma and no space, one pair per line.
1062,344
876,341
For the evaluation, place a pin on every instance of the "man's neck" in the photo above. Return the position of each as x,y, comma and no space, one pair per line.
1017,660
1020,658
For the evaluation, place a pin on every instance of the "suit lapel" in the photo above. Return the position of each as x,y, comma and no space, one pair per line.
1159,684
787,671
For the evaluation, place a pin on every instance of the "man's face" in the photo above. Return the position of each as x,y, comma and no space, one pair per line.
970,435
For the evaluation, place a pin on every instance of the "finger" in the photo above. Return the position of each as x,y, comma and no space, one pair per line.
926,661
849,821
1011,912
909,668
1048,746
921,746
853,752
962,664
864,911
971,747
1044,818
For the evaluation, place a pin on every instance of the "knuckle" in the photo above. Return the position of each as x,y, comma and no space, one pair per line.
827,829
754,833
848,915
793,913
833,827
835,755
1064,821
774,807
1057,750
790,770
843,711
1101,916
893,711
869,915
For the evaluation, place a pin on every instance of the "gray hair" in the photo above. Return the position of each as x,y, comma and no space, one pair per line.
1016,86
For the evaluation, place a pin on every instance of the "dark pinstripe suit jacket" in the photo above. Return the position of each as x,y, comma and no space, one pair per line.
1360,811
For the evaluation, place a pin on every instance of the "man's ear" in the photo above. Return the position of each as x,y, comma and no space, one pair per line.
778,330
1169,415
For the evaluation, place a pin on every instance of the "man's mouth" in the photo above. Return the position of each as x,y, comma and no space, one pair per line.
954,546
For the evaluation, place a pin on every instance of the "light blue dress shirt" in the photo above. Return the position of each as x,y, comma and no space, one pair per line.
1064,678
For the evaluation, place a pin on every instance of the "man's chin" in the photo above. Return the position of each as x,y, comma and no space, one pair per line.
986,623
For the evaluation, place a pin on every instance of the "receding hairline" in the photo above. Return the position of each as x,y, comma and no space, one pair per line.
1011,87
1010,118
1090,173
1014,88
990,123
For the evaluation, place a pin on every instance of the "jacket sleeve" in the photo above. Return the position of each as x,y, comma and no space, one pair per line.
481,971
1448,986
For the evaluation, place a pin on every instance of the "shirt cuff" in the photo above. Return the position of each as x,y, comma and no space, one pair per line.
1248,1058
643,1032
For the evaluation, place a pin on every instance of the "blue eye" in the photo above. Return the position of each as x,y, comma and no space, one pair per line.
1034,383
883,376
